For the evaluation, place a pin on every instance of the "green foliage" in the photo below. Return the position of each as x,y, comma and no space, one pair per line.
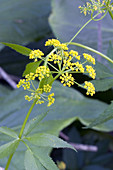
44,159
31,162
104,74
69,104
8,148
103,117
33,123
46,80
31,67
8,131
65,20
47,140
22,21
20,49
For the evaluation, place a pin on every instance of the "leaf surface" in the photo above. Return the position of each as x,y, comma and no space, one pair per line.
9,132
48,140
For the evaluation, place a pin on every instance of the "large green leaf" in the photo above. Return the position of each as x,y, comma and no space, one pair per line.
104,74
23,20
66,19
8,148
42,127
103,84
48,140
103,117
68,104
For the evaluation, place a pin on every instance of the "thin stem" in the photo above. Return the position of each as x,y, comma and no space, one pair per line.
99,18
45,63
91,49
26,119
82,28
8,162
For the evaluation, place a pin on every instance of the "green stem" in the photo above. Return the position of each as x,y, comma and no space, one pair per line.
45,63
26,119
91,49
82,28
8,162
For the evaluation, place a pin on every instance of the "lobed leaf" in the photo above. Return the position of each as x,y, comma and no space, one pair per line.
103,117
20,49
9,132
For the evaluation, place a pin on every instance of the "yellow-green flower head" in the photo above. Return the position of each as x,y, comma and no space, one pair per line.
30,76
55,58
51,99
75,54
35,54
47,88
42,72
25,84
91,71
67,79
90,88
56,43
89,58
79,67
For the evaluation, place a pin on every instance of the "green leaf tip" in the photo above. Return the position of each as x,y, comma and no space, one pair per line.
21,49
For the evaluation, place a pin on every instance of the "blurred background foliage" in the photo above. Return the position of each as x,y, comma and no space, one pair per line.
31,23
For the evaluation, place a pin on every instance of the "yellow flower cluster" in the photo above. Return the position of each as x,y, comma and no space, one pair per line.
47,88
56,43
25,84
41,72
79,67
75,54
51,99
30,76
34,54
89,58
54,57
67,79
40,97
91,71
96,5
90,88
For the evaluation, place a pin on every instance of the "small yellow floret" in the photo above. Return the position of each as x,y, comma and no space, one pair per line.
90,88
42,72
91,71
47,88
34,54
51,99
89,58
67,79
79,67
56,43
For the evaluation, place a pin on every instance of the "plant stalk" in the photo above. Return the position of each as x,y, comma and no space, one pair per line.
82,28
8,162
26,119
91,49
